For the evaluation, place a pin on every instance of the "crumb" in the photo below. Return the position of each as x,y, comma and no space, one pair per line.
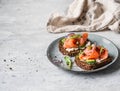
30,59
11,68
55,56
36,70
4,60
12,60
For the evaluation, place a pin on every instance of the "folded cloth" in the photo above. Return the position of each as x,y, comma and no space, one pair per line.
87,15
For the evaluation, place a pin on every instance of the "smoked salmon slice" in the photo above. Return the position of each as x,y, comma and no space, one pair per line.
70,43
94,53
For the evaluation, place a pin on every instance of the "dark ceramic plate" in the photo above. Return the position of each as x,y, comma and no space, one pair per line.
56,57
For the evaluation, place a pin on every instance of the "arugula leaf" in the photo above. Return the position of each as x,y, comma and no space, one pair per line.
68,61
63,40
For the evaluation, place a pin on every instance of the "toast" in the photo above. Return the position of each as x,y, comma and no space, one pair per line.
84,65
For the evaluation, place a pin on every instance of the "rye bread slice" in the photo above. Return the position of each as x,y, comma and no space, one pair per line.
64,52
87,66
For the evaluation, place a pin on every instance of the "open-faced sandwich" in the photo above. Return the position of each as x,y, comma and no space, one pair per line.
73,43
92,57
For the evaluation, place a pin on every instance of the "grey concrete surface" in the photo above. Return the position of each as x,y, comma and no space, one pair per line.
23,43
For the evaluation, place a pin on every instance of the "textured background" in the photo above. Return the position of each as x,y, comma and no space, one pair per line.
23,42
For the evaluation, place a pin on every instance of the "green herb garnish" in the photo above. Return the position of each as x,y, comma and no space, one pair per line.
63,40
81,52
101,49
68,61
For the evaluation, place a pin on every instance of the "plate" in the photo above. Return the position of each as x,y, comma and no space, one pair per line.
57,58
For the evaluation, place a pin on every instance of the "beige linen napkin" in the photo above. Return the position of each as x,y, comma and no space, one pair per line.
87,15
